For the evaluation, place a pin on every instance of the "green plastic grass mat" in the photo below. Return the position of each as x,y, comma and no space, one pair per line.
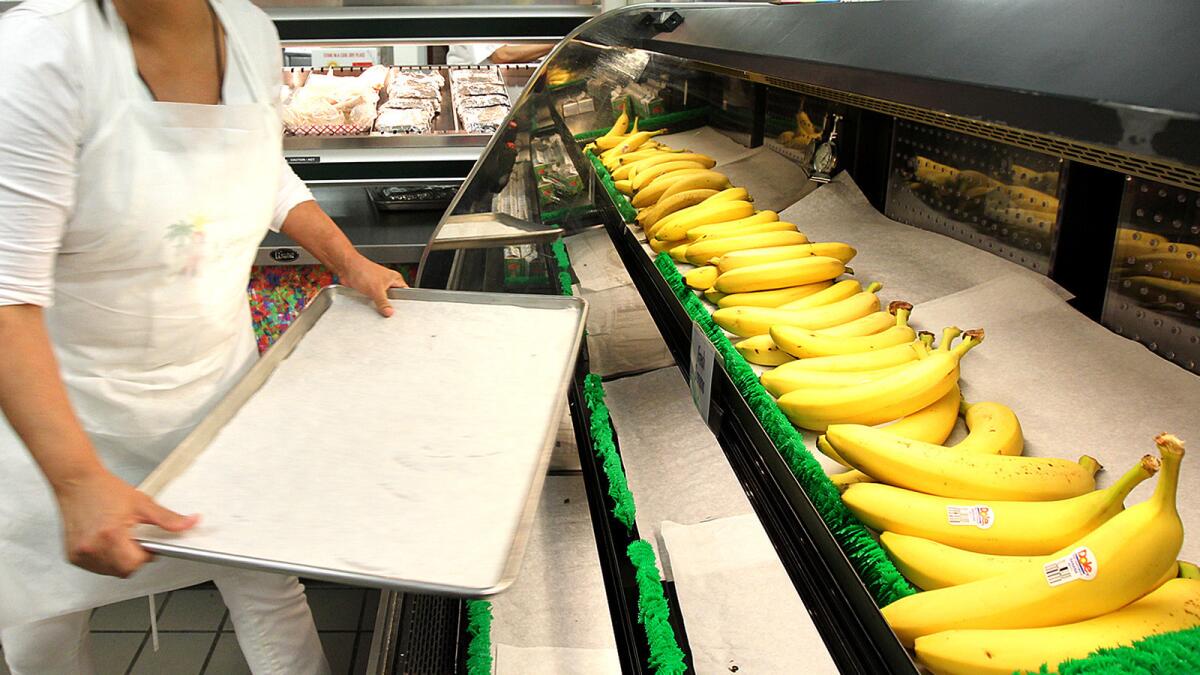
666,658
1177,652
652,123
606,449
479,627
874,567
563,262
628,213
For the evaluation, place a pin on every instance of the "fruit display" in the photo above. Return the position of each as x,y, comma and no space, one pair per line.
1020,560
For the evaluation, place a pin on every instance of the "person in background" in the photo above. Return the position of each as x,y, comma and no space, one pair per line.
140,167
479,54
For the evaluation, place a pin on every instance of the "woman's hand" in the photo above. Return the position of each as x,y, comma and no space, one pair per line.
98,510
373,281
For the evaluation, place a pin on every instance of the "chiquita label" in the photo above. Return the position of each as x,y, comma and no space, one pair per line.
1080,564
979,515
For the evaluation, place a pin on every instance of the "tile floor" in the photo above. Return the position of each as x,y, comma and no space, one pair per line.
196,638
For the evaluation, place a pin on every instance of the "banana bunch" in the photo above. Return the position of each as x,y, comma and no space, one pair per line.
1101,572
748,321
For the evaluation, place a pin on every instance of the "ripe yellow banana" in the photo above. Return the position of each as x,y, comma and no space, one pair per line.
779,382
676,225
758,256
642,177
623,187
669,205
780,274
751,321
775,297
806,343
661,157
839,291
1108,568
646,152
677,253
701,278
619,126
624,165
994,526
650,194
865,361
890,398
759,228
659,246
732,194
713,295
630,143
705,250
762,351
707,180
733,226
1173,606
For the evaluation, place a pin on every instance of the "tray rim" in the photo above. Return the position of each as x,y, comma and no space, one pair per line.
202,435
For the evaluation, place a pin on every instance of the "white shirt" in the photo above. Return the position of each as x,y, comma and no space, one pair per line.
53,92
471,55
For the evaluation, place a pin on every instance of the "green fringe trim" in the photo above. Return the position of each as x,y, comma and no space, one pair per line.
606,449
628,213
1177,652
666,658
479,627
653,123
874,567
563,262
557,216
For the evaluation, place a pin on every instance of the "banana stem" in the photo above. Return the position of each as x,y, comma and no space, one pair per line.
971,339
1147,467
874,287
901,310
1171,449
1088,462
1188,570
948,336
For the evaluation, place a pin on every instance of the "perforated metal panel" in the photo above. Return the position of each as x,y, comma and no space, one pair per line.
996,197
1154,281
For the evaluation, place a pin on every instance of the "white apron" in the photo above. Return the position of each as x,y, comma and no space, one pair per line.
151,322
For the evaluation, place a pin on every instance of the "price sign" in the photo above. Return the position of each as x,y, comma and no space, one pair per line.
704,357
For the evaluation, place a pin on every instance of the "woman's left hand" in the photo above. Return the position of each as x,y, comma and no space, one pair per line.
373,281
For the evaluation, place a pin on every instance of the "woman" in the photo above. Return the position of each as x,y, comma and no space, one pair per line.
140,167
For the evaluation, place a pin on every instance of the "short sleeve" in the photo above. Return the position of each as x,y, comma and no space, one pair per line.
292,191
41,124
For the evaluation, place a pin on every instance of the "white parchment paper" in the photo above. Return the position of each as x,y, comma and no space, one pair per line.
512,660
708,141
676,469
774,181
403,448
559,601
738,604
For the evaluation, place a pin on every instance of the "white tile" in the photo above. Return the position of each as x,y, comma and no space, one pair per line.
113,652
178,654
227,658
194,610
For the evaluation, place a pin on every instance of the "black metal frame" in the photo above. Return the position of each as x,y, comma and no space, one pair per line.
845,614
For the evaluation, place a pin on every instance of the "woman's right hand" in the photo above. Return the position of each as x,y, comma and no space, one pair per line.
98,511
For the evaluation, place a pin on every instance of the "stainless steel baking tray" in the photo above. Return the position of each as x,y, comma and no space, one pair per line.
195,444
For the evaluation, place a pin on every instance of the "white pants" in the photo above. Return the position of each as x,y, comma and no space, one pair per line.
270,616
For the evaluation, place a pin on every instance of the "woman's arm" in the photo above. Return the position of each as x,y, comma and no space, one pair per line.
97,507
308,225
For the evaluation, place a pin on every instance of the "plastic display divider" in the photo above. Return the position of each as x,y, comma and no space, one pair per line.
655,122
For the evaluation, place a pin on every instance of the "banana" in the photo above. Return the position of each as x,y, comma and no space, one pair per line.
762,351
1110,567
650,194
875,322
645,153
884,400
733,226
676,225
864,361
642,177
712,295
669,205
701,278
708,180
623,187
759,228
998,527
776,297
839,291
930,565
767,276
630,143
759,256
844,480
931,424
619,127
805,343
677,253
660,246
777,382
703,251
751,321
1173,606
732,194
626,164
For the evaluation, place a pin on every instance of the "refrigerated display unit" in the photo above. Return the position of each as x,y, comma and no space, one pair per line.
1030,168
